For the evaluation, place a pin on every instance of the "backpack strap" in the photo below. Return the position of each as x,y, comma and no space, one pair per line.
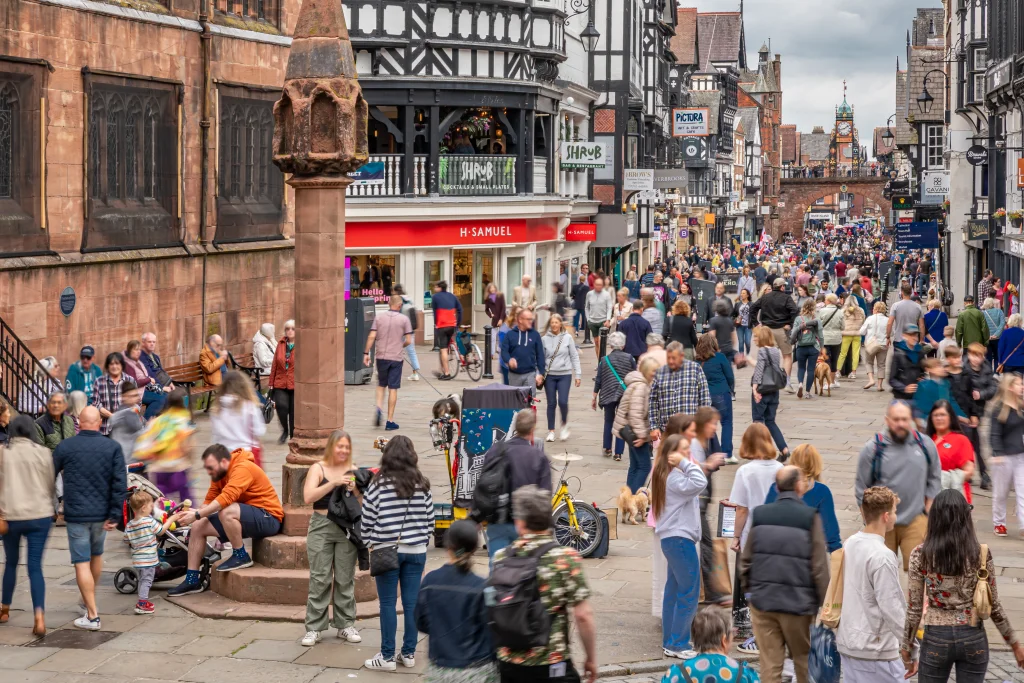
920,443
876,461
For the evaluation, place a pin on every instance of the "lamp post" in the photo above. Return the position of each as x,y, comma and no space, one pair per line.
925,100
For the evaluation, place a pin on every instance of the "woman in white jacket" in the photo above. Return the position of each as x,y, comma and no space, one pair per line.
236,419
264,344
876,346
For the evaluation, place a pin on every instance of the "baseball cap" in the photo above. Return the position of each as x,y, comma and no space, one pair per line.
779,282
969,297
87,352
911,329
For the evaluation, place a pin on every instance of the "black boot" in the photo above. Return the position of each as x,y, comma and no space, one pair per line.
283,438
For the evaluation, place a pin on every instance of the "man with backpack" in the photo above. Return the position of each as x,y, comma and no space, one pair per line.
508,466
532,585
905,461
409,310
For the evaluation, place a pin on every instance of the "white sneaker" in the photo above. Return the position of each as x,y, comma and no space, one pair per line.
415,377
310,639
83,609
789,388
835,384
564,434
407,661
732,460
672,654
688,654
350,634
87,624
551,436
378,662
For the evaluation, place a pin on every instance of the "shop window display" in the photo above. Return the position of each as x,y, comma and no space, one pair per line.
373,276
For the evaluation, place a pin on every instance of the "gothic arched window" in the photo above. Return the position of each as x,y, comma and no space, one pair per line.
9,111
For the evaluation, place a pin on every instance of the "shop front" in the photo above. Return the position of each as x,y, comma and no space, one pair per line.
1008,258
469,254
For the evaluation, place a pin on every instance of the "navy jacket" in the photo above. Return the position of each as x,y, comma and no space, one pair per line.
95,478
451,610
636,328
526,348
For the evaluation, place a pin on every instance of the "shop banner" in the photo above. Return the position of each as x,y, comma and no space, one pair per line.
690,122
1020,174
637,179
581,232
977,229
371,173
583,155
440,233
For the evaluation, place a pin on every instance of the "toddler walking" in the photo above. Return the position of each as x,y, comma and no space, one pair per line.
142,533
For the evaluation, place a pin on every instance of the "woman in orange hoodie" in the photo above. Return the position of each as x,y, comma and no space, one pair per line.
282,381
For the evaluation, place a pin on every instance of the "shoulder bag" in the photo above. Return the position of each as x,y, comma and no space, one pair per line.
612,368
982,591
384,557
558,346
1001,366
773,379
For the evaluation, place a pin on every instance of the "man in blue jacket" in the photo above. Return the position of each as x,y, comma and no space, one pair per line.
523,352
95,481
447,317
82,375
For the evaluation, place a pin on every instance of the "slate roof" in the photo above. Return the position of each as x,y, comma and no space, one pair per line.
712,100
684,42
790,144
922,61
904,132
750,117
927,28
815,146
719,38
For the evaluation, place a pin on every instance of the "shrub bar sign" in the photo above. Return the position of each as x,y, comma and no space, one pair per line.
583,155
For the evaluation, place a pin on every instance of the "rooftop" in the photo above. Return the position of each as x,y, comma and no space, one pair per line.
720,39
684,42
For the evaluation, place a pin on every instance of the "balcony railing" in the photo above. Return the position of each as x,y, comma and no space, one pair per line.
477,174
393,165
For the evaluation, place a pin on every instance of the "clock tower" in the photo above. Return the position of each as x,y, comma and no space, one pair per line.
844,150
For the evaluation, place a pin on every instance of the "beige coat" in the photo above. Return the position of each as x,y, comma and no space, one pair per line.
523,297
26,481
853,318
634,406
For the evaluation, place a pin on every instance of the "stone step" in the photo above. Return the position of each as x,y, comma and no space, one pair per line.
281,552
267,586
296,520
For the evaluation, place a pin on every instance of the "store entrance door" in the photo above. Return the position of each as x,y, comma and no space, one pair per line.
472,272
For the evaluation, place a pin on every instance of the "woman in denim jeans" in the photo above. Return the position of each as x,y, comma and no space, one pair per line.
721,385
945,570
398,510
744,332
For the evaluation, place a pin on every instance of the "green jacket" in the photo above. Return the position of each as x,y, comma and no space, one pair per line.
52,433
971,327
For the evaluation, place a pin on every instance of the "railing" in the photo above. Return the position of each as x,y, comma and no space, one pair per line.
393,168
19,385
477,174
540,177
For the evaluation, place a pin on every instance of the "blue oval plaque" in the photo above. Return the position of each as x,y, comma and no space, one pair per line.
67,301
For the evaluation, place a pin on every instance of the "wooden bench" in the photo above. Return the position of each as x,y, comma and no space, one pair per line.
190,376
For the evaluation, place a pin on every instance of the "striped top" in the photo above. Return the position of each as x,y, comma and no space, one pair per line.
141,533
390,519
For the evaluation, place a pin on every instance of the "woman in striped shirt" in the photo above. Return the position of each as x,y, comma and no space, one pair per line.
398,510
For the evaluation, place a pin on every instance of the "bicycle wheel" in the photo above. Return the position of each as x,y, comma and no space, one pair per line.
474,363
453,361
585,538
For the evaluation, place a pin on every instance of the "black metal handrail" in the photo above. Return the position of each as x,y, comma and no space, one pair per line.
20,368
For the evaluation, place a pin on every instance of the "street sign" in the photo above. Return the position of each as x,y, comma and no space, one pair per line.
68,301
687,122
905,216
923,235
976,155
637,179
977,229
684,233
650,195
820,216
709,219
671,178
936,183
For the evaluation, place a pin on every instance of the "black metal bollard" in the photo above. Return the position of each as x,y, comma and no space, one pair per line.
586,334
604,341
488,330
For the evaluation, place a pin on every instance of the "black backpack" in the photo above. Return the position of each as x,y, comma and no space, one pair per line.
518,618
492,497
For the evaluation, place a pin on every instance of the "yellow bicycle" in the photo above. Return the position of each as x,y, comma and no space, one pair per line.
577,524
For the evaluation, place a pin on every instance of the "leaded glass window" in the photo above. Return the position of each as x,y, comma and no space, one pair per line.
8,124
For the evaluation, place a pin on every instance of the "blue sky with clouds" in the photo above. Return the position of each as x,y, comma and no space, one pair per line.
821,43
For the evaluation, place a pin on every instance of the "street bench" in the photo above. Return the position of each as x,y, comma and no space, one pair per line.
190,376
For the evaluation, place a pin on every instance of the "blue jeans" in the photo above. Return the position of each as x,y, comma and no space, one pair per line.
609,420
682,591
764,412
499,536
579,321
154,402
408,576
35,532
414,360
943,647
743,337
723,404
806,359
639,466
557,386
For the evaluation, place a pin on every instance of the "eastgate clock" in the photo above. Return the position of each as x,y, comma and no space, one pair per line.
844,128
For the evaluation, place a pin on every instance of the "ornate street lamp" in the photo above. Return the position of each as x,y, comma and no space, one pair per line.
925,101
590,36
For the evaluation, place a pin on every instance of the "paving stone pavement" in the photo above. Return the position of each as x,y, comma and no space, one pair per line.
174,645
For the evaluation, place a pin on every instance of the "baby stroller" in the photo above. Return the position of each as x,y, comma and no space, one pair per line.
172,547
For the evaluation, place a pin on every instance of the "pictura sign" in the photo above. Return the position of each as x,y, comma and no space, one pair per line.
687,122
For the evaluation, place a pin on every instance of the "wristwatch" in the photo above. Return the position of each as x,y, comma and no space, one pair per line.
198,517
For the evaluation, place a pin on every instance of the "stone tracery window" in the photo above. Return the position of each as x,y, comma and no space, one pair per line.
8,132
21,206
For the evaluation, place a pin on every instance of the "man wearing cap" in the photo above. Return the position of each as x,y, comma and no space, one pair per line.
776,310
906,363
82,375
970,325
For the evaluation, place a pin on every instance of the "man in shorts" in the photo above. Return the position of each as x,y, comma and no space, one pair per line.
240,504
391,332
447,317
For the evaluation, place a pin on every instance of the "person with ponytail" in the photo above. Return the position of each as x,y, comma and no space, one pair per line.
675,499
680,423
451,610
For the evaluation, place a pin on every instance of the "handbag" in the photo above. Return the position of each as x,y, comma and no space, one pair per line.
999,368
268,410
384,557
558,346
773,379
982,591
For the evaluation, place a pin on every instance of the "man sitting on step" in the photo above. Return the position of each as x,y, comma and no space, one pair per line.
240,504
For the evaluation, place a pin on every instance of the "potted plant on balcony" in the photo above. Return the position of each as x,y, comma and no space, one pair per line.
1016,217
999,215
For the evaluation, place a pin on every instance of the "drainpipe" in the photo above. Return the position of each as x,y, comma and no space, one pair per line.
204,151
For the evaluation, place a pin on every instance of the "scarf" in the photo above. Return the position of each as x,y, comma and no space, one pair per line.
288,354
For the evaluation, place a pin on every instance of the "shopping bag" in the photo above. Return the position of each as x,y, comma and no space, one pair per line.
823,665
832,608
718,577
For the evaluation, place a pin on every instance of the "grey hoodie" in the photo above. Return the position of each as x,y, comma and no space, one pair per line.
911,473
567,360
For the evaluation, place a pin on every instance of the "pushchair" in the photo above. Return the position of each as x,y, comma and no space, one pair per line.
172,547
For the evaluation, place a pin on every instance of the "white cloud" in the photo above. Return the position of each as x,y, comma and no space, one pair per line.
823,42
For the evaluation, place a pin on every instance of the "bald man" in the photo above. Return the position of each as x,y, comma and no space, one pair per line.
94,488
784,568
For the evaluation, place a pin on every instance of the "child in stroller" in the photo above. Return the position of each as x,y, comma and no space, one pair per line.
171,547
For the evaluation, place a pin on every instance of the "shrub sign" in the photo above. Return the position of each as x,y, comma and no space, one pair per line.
583,155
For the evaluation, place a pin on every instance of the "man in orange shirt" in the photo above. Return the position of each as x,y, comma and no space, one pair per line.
240,504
